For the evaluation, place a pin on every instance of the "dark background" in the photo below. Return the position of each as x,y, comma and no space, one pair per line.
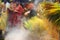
22,1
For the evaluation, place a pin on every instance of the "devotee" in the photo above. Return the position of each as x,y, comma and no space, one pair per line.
3,19
14,13
11,13
30,12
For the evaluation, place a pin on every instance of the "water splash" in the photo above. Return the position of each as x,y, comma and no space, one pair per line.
17,34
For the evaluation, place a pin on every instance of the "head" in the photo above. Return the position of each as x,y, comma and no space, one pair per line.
13,5
3,5
30,5
57,1
19,9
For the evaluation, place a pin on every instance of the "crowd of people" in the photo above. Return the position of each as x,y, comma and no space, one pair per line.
16,15
17,10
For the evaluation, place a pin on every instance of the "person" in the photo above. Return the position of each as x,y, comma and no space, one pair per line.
0,21
57,1
4,16
14,18
29,11
7,5
3,19
14,14
19,11
11,13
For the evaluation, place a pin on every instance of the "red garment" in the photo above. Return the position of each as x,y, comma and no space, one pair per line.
19,10
14,19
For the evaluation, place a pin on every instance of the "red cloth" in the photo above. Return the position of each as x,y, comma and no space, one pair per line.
14,19
19,10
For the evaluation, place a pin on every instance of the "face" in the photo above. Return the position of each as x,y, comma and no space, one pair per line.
30,6
3,5
13,5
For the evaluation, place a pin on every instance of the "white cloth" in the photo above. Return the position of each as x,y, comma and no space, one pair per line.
7,5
